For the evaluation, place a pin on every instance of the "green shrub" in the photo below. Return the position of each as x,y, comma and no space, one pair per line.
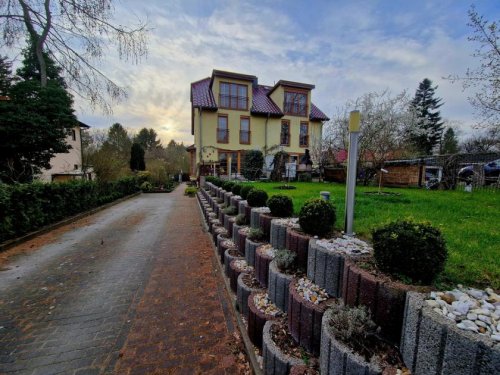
305,177
317,217
257,198
245,189
253,161
256,234
410,249
286,260
280,205
236,189
214,180
231,210
228,185
240,219
146,186
190,191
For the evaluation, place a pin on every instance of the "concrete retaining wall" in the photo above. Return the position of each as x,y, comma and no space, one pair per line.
325,268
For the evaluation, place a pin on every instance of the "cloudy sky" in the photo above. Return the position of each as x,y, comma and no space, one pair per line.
346,48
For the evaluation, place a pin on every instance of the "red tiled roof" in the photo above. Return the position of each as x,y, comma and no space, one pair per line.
202,96
317,114
262,104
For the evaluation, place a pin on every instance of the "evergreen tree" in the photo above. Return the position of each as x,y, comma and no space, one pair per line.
34,122
449,143
253,161
429,126
147,139
6,78
137,158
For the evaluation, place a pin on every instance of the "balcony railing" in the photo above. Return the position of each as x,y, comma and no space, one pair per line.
233,102
245,137
222,135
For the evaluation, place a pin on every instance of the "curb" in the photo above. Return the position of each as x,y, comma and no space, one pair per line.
254,364
16,241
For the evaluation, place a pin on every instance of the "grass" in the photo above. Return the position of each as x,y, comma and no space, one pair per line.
470,223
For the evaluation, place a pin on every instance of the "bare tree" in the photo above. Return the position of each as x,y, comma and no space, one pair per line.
74,33
486,141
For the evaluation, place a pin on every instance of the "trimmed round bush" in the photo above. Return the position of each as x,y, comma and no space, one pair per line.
257,198
228,185
317,217
408,249
245,189
236,189
280,205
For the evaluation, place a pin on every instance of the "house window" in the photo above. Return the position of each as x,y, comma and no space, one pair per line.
245,130
285,133
233,96
222,129
224,162
295,103
304,134
73,134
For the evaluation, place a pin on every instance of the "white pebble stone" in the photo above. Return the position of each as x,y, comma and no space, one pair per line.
472,316
496,337
467,325
484,318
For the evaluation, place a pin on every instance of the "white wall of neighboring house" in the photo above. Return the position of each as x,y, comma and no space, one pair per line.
66,166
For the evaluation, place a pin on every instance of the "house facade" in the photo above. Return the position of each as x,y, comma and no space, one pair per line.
231,113
67,166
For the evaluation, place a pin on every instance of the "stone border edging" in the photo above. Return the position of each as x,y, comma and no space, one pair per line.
228,224
236,235
278,286
228,258
242,293
234,274
265,224
432,344
338,359
262,266
250,250
275,362
19,240
325,268
277,235
241,241
256,321
299,244
254,218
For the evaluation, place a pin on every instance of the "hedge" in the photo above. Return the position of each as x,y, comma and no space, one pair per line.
27,207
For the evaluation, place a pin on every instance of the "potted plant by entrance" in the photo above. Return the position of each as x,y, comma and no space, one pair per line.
407,256
350,344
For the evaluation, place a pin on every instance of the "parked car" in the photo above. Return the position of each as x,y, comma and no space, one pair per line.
491,171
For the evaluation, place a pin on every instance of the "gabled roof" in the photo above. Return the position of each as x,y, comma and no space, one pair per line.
263,104
297,85
317,114
202,96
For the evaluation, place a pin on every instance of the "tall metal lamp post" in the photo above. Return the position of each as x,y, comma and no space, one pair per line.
354,120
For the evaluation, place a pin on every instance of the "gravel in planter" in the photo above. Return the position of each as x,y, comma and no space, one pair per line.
250,250
213,224
236,267
432,344
246,285
219,231
263,256
242,236
260,310
298,242
278,231
306,305
278,360
226,244
278,286
230,255
255,216
218,244
383,296
305,370
325,261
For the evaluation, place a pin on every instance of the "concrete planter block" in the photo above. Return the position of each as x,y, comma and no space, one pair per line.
338,359
432,344
256,321
212,224
275,362
250,250
385,299
278,234
221,214
299,244
262,261
304,319
234,273
235,200
265,224
229,256
236,235
220,250
278,286
242,237
228,224
227,198
325,268
242,293
254,218
242,207
248,211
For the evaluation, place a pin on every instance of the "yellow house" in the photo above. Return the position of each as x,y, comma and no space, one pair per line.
231,113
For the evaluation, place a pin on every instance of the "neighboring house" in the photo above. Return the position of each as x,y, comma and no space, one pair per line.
68,166
232,113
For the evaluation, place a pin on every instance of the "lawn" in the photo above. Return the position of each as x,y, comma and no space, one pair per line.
470,222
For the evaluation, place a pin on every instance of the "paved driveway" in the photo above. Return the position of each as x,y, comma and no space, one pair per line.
129,290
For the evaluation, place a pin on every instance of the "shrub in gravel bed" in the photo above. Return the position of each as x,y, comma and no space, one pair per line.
286,260
228,185
231,211
240,219
236,189
407,249
257,198
280,205
245,190
256,235
317,217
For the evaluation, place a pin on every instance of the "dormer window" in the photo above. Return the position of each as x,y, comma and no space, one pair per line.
295,103
233,96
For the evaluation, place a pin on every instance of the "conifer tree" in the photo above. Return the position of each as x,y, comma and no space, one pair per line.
449,143
137,158
428,123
